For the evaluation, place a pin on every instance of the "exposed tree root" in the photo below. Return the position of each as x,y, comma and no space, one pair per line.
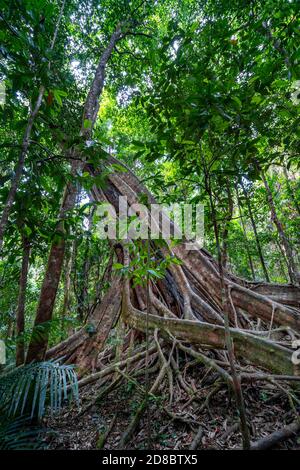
186,312
182,419
128,433
197,439
113,367
103,437
174,355
258,351
277,436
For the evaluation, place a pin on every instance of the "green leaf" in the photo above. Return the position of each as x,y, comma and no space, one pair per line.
256,99
27,230
58,94
119,168
237,101
155,273
87,124
118,266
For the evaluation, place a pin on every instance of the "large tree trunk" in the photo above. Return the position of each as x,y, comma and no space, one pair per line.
193,287
186,305
185,312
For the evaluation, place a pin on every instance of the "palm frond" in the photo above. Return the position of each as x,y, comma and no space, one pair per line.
19,434
31,385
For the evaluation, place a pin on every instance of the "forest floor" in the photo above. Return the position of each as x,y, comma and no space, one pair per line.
267,410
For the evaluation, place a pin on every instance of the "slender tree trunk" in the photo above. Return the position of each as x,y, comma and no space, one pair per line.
67,292
282,270
227,334
245,234
19,167
38,346
290,190
25,145
225,233
277,222
20,320
10,328
255,234
280,249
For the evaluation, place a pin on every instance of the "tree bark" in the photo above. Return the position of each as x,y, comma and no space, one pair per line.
258,351
38,344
